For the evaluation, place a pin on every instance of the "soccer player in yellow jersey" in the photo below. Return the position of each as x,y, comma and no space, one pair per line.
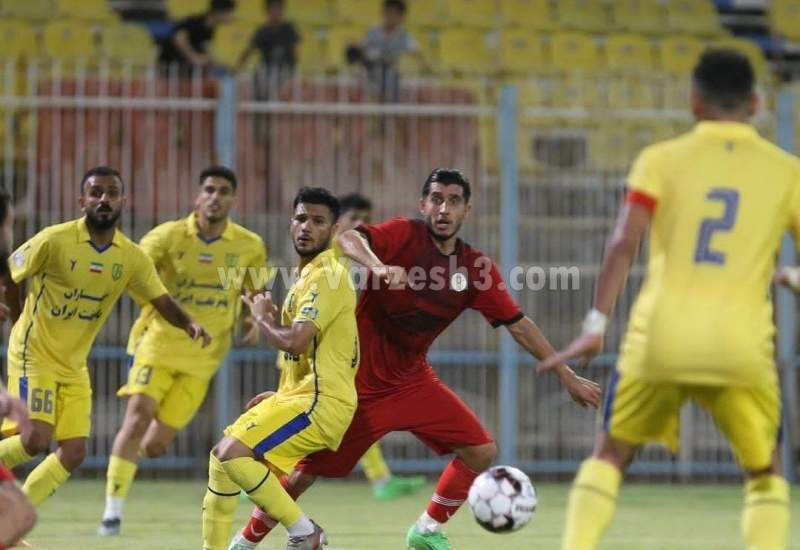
77,271
717,201
169,375
317,339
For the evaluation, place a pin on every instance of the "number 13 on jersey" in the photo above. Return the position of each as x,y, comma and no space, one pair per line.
704,254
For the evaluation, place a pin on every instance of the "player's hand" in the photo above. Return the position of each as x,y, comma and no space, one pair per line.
584,392
393,275
260,305
197,332
16,410
788,277
584,347
251,331
258,399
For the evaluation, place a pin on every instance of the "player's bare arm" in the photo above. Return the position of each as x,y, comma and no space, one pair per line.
621,249
177,317
293,339
528,335
356,247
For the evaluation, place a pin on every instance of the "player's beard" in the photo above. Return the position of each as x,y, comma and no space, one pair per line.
99,224
443,238
315,251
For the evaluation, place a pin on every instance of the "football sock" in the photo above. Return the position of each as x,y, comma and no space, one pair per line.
219,505
260,524
765,521
591,504
45,479
119,479
264,489
375,467
13,453
451,491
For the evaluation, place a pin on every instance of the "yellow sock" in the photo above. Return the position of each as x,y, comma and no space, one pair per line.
591,505
765,522
219,505
375,467
264,489
119,476
45,479
12,453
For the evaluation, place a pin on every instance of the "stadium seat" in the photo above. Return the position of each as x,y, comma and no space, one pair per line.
250,11
309,12
679,54
178,9
338,40
626,52
127,43
529,14
645,16
28,9
68,40
17,39
471,13
364,13
573,50
522,52
693,17
633,91
582,15
784,18
748,48
94,10
311,50
230,41
425,13
465,52
427,41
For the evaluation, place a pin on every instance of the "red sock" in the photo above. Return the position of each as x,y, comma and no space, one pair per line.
451,491
260,523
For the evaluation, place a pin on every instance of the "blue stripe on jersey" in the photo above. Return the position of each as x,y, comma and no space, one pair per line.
129,363
293,427
23,389
609,404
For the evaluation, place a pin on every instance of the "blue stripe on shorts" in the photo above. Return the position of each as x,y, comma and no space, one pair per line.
609,404
23,389
293,427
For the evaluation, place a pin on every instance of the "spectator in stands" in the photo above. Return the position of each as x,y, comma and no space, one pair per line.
187,44
382,49
277,42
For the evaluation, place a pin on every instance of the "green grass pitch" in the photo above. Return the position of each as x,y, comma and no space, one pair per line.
166,516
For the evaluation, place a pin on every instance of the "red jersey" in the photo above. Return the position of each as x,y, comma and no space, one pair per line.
397,326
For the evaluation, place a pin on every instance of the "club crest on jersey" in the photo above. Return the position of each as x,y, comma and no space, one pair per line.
116,272
205,258
458,282
96,267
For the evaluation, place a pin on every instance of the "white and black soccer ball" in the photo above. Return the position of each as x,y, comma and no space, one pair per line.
502,499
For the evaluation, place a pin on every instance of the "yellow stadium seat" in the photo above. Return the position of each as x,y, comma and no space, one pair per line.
679,54
529,14
646,16
472,13
693,17
634,91
178,9
311,50
428,44
68,40
250,11
363,13
425,13
95,10
309,12
629,51
581,90
583,15
230,41
17,39
784,18
338,40
28,9
128,43
522,51
465,51
748,48
573,50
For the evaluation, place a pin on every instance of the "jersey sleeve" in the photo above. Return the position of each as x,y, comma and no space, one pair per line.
320,302
388,238
144,284
492,299
645,181
30,258
258,262
154,244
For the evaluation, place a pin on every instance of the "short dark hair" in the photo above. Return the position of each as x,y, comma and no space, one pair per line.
103,171
398,5
354,201
218,172
725,78
447,176
278,3
319,195
222,5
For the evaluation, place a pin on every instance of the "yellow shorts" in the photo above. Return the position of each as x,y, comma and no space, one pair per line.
280,432
66,407
178,394
639,411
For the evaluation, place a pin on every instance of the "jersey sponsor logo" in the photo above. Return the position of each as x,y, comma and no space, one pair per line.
205,258
458,282
116,272
415,321
96,267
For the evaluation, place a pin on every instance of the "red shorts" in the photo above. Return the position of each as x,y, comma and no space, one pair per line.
431,411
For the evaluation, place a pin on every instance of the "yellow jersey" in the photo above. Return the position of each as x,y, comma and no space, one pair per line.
723,198
324,375
190,268
73,288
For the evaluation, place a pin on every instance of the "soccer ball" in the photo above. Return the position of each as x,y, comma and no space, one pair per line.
502,499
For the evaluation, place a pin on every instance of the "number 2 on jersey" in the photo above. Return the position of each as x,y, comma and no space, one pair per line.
730,199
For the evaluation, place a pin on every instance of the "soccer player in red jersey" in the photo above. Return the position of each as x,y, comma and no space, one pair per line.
427,277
